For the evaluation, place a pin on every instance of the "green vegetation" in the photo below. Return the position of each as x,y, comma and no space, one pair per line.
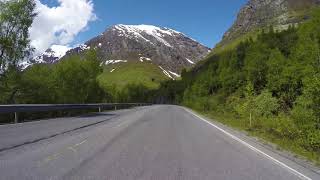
16,17
72,80
269,87
132,72
131,81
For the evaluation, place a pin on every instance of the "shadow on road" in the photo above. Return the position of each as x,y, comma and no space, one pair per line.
96,115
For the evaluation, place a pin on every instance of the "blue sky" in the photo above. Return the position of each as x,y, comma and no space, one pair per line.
203,20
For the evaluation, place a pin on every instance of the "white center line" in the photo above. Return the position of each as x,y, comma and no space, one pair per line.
80,143
295,172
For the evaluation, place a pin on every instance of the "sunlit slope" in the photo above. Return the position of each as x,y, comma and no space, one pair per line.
132,72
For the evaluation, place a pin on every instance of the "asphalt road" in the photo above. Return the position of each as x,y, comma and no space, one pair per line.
155,142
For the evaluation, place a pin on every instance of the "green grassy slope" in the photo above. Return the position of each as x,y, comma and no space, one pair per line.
132,72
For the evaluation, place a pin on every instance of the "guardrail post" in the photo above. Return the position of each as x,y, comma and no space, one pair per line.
16,118
115,107
100,109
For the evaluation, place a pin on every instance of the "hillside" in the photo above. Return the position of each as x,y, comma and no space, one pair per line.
123,73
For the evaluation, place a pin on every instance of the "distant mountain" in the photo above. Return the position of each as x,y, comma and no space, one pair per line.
50,56
164,47
168,49
257,14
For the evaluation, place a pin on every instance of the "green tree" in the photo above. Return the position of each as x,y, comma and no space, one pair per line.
16,16
76,79
306,111
37,85
255,66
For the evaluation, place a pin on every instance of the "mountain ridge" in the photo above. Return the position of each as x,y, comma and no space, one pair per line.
169,49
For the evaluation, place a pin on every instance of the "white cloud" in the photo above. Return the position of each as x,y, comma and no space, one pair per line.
59,25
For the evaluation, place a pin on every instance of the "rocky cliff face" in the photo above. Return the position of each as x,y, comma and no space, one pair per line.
262,13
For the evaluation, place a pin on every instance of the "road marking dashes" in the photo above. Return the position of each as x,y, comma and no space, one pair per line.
56,156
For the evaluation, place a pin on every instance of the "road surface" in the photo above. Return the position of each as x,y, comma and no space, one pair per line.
156,142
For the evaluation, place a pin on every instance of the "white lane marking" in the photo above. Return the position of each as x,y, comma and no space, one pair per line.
295,172
121,124
80,143
74,147
56,156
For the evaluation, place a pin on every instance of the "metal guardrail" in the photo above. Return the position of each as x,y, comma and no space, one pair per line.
19,108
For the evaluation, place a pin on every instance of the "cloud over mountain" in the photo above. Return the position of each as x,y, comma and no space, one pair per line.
59,25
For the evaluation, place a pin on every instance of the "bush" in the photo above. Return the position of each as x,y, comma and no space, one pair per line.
282,127
265,105
312,140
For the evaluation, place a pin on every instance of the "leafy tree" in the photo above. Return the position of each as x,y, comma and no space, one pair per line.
255,66
10,85
37,85
246,108
306,111
16,16
265,105
76,79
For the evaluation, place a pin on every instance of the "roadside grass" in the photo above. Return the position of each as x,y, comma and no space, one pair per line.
286,144
132,72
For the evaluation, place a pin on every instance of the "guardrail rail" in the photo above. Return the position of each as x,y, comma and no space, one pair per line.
20,108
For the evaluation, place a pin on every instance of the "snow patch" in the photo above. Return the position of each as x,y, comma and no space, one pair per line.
153,31
175,74
100,44
166,73
144,59
128,32
190,61
84,47
24,65
60,51
112,70
115,61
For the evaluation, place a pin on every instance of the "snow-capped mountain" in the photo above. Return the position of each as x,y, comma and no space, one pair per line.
169,49
50,56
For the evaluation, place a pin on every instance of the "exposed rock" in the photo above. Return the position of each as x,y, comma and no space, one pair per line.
263,13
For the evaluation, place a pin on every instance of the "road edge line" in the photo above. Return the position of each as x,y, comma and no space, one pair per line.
295,172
